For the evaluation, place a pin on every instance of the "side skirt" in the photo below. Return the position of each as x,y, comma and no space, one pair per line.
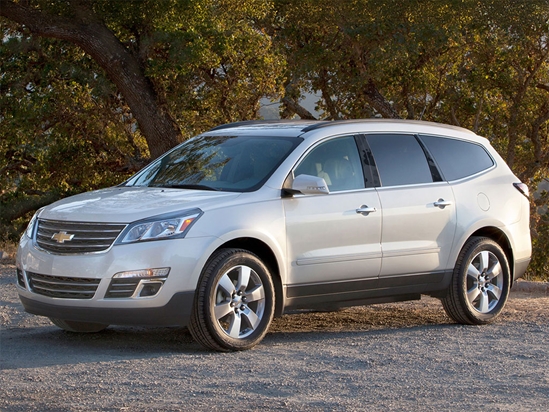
334,295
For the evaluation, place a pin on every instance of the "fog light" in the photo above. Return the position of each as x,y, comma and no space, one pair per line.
144,273
137,283
150,289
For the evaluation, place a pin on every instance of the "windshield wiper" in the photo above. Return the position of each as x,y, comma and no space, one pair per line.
190,186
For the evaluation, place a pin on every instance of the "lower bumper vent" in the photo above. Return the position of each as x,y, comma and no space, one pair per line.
20,279
122,288
62,287
137,287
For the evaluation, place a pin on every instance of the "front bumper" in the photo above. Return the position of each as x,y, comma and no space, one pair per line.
176,312
171,305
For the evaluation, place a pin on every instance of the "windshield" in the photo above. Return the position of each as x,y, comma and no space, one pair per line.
227,163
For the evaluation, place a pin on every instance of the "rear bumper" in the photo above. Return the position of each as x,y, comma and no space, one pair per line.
176,312
520,268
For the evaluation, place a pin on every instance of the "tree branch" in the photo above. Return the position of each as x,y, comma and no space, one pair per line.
543,86
296,108
86,31
379,102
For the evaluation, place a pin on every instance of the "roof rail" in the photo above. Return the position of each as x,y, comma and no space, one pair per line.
327,123
236,124
320,125
264,122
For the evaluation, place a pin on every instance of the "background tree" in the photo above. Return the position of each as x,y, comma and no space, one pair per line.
83,23
481,65
92,89
108,84
64,128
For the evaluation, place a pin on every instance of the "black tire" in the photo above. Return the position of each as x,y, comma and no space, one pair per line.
234,301
79,327
480,283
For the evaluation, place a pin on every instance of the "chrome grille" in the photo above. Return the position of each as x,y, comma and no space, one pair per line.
88,237
62,286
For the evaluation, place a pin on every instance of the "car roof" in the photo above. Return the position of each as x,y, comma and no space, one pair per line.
310,128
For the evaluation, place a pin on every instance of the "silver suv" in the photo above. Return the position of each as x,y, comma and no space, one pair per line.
254,219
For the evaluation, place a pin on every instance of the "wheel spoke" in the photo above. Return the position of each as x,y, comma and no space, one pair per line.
253,319
472,294
226,284
234,327
243,277
484,301
494,271
484,260
473,272
223,309
494,290
257,293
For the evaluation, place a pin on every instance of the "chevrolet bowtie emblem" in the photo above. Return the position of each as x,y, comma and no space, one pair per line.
62,237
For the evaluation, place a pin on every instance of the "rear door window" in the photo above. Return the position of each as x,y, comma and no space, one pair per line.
457,158
400,159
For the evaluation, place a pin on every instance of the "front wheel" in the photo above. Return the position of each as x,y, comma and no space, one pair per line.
480,284
234,301
79,327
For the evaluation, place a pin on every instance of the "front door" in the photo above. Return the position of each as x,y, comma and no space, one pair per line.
333,239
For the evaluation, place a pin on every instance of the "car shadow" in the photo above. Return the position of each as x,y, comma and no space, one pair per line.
27,347
42,346
47,346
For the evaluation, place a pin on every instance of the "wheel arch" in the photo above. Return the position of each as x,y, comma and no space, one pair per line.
498,236
266,254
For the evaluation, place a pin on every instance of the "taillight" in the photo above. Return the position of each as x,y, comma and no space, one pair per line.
522,188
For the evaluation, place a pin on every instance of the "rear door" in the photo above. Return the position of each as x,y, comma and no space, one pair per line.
419,211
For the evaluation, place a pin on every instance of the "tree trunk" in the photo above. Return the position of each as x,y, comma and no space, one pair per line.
123,69
379,102
296,108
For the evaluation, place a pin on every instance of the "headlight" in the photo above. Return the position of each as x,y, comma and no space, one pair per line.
29,231
160,227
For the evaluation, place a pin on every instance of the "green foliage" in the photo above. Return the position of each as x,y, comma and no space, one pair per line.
209,60
213,62
481,65
64,129
539,266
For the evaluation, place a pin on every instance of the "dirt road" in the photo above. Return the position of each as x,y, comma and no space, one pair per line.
405,356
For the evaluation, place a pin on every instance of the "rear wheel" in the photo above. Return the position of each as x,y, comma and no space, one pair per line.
234,301
480,284
81,327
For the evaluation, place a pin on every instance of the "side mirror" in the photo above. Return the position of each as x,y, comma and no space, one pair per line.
310,185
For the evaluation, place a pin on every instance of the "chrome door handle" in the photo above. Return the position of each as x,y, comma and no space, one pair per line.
442,203
365,210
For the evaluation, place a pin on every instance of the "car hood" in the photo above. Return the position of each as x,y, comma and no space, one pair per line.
128,204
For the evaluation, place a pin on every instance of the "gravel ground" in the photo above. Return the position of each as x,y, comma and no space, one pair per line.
405,356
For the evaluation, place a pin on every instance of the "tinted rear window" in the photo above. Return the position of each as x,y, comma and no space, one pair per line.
457,158
400,160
